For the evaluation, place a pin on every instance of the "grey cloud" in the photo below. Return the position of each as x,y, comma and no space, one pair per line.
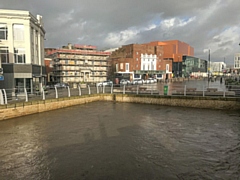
91,22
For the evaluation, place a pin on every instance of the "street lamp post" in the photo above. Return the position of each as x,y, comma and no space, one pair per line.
178,68
209,66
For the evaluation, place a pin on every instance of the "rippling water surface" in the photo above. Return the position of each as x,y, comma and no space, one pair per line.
106,140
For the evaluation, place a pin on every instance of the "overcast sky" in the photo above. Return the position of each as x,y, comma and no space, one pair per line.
203,24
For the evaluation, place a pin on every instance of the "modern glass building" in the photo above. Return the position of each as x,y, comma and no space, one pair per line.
192,65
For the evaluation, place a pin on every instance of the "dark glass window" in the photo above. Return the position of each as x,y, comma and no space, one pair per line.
4,55
19,55
3,31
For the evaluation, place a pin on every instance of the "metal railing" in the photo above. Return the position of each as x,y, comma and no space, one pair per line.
8,96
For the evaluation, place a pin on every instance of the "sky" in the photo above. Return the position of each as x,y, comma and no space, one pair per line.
202,24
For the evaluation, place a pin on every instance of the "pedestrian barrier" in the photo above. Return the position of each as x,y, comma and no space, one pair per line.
8,96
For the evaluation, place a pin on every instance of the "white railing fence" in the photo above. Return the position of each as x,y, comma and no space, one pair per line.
169,89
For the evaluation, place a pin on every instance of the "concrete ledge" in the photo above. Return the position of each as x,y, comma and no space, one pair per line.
183,101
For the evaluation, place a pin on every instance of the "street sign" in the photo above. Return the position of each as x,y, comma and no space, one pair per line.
1,78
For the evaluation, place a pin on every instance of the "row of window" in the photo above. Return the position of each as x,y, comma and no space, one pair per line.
18,32
19,55
237,58
148,67
86,78
77,62
66,73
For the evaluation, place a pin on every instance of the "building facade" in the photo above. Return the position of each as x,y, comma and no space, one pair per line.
135,61
75,64
237,61
217,68
174,50
192,66
21,50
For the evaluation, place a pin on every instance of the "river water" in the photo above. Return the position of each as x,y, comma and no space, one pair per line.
107,140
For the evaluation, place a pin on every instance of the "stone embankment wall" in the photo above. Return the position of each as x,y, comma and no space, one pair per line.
26,108
183,101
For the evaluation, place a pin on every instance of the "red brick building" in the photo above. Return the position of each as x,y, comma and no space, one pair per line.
136,61
175,50
154,59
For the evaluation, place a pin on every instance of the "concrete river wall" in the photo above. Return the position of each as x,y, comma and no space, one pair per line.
26,108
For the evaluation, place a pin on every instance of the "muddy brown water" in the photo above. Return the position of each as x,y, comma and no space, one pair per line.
107,140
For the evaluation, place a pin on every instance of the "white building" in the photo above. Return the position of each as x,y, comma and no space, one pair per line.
237,61
217,68
21,50
148,62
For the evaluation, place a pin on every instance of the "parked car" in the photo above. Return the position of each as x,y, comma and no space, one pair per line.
146,81
61,85
49,86
125,82
152,80
137,81
105,83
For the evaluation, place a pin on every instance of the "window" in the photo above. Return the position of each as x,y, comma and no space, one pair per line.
32,35
19,55
152,66
36,38
3,31
167,68
121,65
137,76
4,55
18,32
127,67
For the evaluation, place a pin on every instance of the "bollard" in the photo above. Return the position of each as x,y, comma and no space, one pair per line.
97,89
56,91
5,96
69,93
1,97
203,90
185,89
79,90
25,90
112,89
43,93
89,90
